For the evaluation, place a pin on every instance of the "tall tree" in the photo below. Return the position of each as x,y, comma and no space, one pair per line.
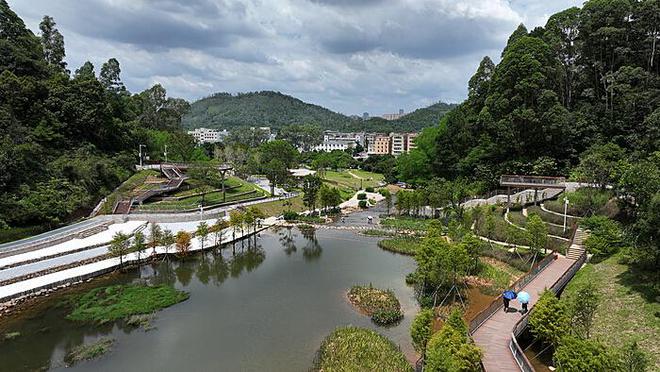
110,76
52,42
311,185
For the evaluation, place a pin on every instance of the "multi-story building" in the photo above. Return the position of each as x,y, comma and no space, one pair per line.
205,135
410,141
397,143
328,146
393,116
379,146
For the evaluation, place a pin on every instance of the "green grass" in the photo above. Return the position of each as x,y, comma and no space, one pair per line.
402,244
582,202
89,351
550,217
133,182
344,180
244,191
499,273
519,219
107,304
383,306
359,349
628,309
277,207
406,223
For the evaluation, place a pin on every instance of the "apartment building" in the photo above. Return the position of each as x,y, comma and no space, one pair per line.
379,146
397,143
410,141
206,135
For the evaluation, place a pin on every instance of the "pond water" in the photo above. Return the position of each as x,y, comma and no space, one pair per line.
268,307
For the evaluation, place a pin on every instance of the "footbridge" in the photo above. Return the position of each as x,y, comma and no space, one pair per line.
496,331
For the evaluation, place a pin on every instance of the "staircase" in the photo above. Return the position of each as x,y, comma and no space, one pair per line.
577,249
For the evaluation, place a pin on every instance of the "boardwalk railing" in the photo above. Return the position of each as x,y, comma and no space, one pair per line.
516,180
496,304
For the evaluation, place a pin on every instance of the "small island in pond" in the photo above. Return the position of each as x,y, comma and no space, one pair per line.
383,306
359,349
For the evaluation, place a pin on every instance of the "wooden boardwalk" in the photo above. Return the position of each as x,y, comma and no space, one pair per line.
495,333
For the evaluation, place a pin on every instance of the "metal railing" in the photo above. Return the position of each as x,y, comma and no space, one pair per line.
514,180
518,285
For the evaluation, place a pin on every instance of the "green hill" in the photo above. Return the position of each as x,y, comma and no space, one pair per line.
274,109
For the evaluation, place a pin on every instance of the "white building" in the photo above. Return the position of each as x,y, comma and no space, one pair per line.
328,146
206,135
397,144
394,116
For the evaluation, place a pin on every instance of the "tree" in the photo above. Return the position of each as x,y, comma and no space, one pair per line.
549,321
276,172
155,236
257,216
388,199
183,239
85,72
219,226
599,163
537,232
421,330
235,221
328,197
310,186
109,76
138,244
575,354
450,349
202,232
52,42
119,246
582,308
168,240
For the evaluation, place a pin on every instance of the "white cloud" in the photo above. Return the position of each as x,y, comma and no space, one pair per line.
350,56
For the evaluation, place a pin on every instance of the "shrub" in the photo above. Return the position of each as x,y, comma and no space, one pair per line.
549,320
575,354
369,189
421,329
290,216
362,204
516,207
362,196
606,237
383,307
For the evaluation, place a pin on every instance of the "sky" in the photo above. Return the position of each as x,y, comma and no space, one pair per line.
351,56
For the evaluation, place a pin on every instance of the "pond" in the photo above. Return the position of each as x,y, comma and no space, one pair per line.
266,307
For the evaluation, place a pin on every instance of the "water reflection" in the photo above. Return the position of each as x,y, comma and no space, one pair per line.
312,249
289,240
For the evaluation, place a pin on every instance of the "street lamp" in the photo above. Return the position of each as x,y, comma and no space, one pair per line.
201,211
140,150
165,153
565,211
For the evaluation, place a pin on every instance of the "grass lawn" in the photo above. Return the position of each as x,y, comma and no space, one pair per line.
359,349
351,179
628,310
133,182
277,207
519,219
550,217
244,191
499,273
406,223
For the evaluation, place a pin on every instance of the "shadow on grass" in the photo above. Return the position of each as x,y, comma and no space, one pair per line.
641,281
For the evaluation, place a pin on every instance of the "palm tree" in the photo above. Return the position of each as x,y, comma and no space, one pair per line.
119,246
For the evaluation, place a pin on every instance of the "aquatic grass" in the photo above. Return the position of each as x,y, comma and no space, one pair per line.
382,306
358,349
106,304
89,351
407,223
402,244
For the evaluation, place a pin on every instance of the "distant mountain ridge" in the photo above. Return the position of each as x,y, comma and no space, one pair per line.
275,109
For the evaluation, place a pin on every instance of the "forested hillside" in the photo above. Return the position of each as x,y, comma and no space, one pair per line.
66,139
276,110
588,76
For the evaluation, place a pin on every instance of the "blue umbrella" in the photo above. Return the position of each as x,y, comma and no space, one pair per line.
509,294
523,297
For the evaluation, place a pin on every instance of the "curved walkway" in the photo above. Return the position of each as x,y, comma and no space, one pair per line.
494,335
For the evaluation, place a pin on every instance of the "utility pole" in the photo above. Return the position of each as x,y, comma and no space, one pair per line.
140,150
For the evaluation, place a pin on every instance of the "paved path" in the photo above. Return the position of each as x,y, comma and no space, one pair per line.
494,335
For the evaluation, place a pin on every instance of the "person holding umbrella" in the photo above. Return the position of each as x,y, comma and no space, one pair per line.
507,296
523,298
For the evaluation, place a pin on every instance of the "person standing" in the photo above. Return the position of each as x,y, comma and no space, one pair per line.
506,304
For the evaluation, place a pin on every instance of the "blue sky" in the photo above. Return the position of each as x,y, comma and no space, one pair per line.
348,55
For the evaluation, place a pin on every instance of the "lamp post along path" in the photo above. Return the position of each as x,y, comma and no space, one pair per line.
565,211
